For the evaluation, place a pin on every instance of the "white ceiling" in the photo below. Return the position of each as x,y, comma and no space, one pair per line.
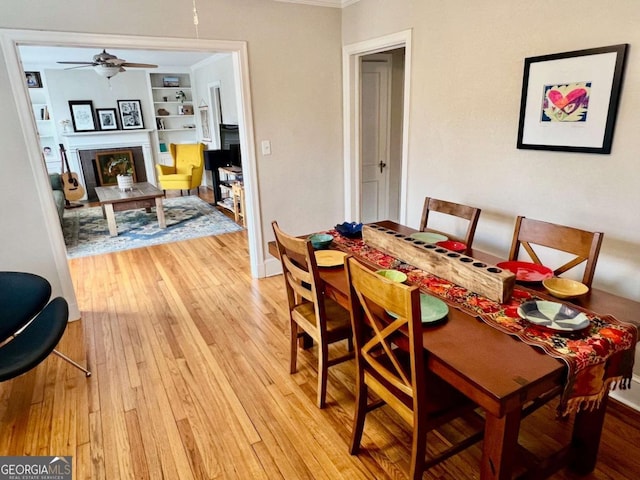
46,57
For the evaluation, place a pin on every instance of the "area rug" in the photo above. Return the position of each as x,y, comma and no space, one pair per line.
86,232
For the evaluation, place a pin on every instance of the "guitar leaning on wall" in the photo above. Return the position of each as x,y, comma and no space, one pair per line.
73,190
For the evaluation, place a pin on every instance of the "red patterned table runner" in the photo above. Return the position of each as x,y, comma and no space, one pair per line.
598,359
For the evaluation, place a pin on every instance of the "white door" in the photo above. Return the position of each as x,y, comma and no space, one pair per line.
375,78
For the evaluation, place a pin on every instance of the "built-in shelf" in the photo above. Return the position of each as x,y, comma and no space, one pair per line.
171,114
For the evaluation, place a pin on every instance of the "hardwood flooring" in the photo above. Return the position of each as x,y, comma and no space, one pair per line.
190,381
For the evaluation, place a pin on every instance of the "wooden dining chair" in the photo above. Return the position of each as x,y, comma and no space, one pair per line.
310,311
584,245
390,361
471,214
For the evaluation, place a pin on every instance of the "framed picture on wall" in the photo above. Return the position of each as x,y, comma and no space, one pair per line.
107,118
569,100
33,79
130,114
204,123
82,115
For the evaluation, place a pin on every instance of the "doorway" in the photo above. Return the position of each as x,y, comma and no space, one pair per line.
376,92
11,39
381,105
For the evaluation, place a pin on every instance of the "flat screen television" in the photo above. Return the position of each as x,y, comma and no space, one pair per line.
230,140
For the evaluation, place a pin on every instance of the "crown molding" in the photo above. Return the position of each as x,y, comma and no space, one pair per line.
323,3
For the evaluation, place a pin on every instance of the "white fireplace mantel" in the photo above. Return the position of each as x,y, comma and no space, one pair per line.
97,140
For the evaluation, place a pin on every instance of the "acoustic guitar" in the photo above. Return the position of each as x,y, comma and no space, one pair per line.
73,190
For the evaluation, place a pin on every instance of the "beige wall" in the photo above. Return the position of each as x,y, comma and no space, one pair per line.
294,62
467,68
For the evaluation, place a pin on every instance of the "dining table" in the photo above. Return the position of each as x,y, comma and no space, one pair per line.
500,373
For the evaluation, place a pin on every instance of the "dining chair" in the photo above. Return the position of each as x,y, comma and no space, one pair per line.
471,214
390,362
584,245
310,312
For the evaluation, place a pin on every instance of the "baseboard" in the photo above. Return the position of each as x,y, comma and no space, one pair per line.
272,266
631,396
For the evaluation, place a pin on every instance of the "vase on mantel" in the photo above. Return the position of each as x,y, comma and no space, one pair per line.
125,182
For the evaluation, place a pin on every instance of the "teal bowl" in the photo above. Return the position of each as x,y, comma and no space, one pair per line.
320,241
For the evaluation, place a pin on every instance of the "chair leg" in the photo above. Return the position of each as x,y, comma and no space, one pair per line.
87,373
358,417
293,365
323,373
418,449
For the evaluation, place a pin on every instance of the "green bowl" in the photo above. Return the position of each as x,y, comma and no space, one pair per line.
320,241
393,275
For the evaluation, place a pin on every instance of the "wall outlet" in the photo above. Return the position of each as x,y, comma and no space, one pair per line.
266,147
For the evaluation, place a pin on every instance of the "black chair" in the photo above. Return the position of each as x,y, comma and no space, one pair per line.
30,325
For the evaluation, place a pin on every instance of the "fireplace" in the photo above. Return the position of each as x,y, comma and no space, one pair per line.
83,146
90,171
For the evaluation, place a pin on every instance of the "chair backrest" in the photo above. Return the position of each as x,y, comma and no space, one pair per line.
581,243
471,214
378,334
300,270
187,154
22,296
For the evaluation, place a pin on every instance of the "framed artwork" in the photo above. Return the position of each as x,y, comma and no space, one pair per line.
130,114
570,100
82,115
33,79
107,118
170,82
204,123
111,164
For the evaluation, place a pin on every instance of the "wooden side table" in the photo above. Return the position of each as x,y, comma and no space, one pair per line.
237,193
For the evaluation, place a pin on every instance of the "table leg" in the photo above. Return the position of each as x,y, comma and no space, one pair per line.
500,443
585,442
111,219
160,213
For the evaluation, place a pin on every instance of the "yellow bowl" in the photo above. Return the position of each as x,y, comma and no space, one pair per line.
393,275
564,287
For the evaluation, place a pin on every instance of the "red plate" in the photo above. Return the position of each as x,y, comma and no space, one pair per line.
527,271
451,245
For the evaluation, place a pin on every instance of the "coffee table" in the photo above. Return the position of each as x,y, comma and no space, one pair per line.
142,195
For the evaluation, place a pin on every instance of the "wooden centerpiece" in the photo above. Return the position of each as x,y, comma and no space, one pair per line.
486,280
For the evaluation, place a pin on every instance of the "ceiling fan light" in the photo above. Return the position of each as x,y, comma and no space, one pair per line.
106,70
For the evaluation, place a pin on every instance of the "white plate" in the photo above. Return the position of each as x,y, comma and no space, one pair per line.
428,237
553,315
330,258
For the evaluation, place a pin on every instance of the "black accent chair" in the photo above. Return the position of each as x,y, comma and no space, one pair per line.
30,325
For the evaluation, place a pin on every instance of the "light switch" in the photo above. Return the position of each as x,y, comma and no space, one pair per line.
266,147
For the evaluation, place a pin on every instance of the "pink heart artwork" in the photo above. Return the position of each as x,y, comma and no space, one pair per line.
561,101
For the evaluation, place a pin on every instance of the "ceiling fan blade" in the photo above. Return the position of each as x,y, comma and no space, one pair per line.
138,65
78,63
81,66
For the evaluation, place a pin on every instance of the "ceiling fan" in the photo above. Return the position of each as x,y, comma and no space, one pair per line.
108,65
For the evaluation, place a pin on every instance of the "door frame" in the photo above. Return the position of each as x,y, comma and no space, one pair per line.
10,40
351,55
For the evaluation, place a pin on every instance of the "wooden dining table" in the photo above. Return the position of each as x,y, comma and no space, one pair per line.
502,374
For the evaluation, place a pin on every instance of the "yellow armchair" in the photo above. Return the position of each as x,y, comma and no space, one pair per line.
187,168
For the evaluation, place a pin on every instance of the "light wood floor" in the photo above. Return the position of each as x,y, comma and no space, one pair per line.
190,380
